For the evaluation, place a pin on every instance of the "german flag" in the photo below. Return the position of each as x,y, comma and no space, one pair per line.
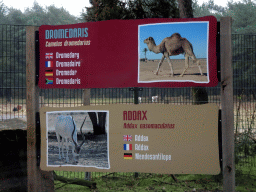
127,155
48,72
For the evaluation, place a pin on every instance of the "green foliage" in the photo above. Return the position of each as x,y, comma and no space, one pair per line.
3,11
36,15
12,41
145,51
51,15
208,8
12,59
104,10
156,8
245,140
244,55
15,16
131,9
245,181
243,15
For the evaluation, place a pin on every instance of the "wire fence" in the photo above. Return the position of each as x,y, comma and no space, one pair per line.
12,71
13,88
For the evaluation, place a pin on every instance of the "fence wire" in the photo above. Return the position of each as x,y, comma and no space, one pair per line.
12,71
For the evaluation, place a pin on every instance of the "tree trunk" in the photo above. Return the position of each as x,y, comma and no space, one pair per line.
98,129
200,95
185,8
102,121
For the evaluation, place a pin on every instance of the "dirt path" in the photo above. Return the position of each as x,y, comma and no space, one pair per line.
12,124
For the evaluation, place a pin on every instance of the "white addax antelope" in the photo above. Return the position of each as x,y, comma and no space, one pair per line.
65,127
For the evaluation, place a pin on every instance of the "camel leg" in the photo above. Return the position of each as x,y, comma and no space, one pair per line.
159,64
186,65
170,63
198,64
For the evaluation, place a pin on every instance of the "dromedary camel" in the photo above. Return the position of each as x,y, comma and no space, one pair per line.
173,45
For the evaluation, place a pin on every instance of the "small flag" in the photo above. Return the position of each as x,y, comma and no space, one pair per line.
127,155
127,138
48,55
127,147
48,63
49,80
49,73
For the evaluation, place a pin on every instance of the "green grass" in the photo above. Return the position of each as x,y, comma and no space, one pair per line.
245,181
60,186
246,177
147,182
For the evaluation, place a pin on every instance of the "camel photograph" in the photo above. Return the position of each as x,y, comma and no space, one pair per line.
173,52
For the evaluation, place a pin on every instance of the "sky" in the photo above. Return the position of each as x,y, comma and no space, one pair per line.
74,7
186,30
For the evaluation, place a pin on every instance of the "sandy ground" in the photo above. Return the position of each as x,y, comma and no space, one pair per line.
147,70
13,124
6,112
94,152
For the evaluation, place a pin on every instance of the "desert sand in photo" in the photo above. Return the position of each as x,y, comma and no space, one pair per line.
147,70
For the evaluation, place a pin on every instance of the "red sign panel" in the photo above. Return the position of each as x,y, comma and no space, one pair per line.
129,53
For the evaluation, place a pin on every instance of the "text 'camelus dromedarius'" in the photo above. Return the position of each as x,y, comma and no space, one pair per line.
173,45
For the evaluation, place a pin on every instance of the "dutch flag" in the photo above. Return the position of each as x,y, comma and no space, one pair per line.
48,64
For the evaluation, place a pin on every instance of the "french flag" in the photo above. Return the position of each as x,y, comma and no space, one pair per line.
127,147
48,64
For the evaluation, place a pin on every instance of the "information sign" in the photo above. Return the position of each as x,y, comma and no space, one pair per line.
139,138
129,53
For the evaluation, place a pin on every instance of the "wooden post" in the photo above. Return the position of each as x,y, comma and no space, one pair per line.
86,96
227,104
86,101
41,101
38,180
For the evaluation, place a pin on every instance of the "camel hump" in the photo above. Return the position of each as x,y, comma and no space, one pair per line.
176,35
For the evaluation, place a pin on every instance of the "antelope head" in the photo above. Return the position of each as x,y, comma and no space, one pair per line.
78,147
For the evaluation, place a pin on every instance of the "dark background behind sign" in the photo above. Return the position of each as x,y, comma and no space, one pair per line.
111,59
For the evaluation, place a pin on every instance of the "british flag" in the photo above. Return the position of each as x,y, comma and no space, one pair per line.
48,55
127,138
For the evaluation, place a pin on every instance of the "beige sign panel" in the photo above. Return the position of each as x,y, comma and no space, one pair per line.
150,138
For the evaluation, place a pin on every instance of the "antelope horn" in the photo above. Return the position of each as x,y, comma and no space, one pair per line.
73,132
82,133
